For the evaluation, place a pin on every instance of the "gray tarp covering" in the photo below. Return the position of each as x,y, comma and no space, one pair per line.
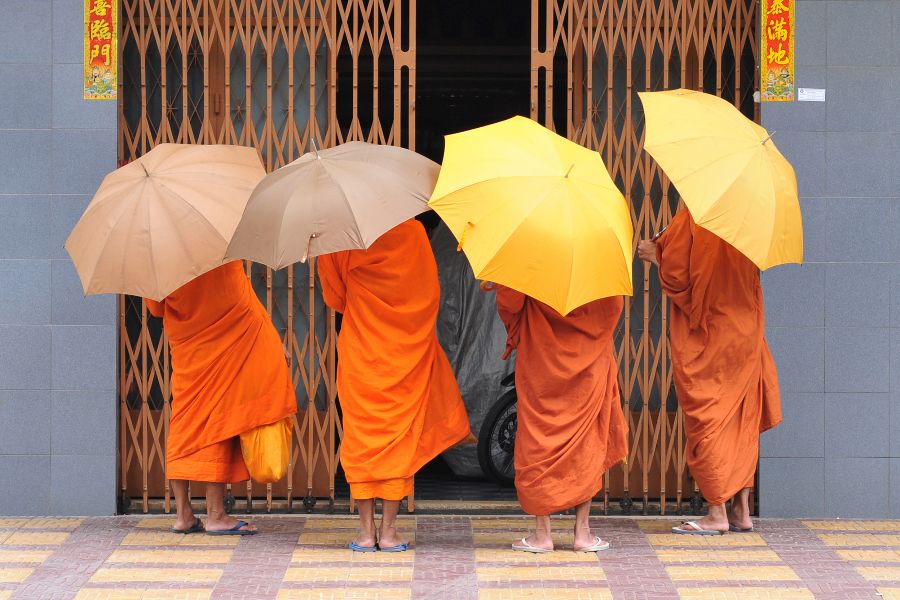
473,337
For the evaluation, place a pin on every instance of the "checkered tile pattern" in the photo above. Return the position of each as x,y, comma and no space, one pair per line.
137,558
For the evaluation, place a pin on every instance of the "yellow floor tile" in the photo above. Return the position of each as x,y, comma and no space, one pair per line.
339,538
545,593
561,539
24,556
680,555
4,535
164,523
860,540
889,593
505,555
841,525
40,523
35,538
352,523
164,538
744,593
108,575
658,525
674,539
761,573
143,594
540,573
345,594
5,594
880,573
870,555
519,524
347,572
342,555
179,556
11,575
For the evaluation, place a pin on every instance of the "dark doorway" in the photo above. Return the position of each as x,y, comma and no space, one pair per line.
473,65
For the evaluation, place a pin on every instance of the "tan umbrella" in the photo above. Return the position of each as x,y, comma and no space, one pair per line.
342,198
164,219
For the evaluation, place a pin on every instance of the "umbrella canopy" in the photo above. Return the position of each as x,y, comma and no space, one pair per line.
163,219
536,212
729,173
342,198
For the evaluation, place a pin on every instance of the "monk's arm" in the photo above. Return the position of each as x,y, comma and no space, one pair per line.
673,255
157,309
334,291
510,305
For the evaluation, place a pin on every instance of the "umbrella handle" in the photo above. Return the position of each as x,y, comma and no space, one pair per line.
659,233
462,238
308,245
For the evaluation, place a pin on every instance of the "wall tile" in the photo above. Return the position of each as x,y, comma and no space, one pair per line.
82,485
24,96
68,38
23,161
811,32
801,434
82,176
84,422
798,116
84,357
857,359
24,357
857,295
24,32
856,488
24,423
64,214
795,295
857,425
792,487
806,152
861,99
25,472
24,226
69,106
799,354
69,304
854,227
25,292
857,164
895,489
815,224
859,33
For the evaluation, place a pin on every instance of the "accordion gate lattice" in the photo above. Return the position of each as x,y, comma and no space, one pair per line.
590,58
266,73
260,73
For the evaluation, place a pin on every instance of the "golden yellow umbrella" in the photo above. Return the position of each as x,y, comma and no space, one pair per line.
536,212
729,173
164,219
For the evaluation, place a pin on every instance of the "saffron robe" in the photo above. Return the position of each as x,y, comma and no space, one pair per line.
400,401
229,374
571,428
725,377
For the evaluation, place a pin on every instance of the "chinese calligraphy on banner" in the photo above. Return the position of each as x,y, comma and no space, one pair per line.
101,49
777,56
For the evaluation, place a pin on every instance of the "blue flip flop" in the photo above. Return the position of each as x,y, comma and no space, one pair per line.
236,530
397,548
357,548
197,527
736,529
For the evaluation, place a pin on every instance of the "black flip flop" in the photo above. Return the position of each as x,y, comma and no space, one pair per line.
197,527
236,530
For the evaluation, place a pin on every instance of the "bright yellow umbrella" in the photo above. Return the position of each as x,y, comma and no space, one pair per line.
536,212
729,173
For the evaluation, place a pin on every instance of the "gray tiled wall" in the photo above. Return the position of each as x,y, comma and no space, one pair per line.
57,349
833,322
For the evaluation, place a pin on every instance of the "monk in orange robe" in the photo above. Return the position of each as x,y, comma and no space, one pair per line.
229,375
571,429
400,401
724,375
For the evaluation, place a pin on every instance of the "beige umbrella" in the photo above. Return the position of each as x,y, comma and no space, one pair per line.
164,219
342,198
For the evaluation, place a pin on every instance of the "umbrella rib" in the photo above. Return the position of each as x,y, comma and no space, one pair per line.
705,165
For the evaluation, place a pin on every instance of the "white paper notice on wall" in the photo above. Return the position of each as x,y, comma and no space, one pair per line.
810,95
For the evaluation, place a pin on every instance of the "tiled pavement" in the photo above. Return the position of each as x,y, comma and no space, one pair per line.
453,557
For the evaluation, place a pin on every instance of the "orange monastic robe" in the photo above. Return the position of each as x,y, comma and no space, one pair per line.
724,375
229,374
571,429
400,401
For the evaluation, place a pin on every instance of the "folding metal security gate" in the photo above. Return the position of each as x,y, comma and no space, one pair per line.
275,75
590,58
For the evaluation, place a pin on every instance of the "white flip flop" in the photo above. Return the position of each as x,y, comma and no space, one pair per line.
597,546
524,546
691,528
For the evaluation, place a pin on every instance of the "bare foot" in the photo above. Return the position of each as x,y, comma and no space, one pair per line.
585,539
711,524
739,518
185,522
388,538
539,539
225,523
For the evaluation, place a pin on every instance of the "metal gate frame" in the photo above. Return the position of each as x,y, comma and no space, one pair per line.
609,50
203,72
